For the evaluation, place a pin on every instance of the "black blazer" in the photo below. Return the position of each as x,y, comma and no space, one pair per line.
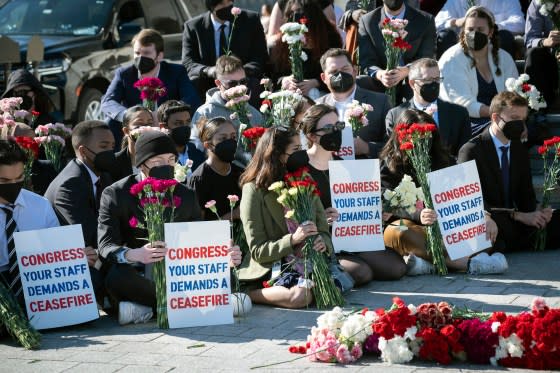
454,123
481,149
42,174
421,35
248,43
118,206
71,194
123,165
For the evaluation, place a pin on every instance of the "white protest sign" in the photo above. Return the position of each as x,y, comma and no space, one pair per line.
197,274
356,194
55,277
457,197
347,151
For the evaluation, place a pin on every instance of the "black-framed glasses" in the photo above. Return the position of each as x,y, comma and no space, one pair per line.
329,128
235,83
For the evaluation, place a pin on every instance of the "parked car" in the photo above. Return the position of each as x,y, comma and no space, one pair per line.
86,40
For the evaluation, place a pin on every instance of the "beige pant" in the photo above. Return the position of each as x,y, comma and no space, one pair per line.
405,242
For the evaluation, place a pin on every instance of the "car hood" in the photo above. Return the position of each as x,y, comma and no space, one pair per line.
53,43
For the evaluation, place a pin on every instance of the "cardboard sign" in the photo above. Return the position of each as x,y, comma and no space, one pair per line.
356,194
457,197
197,274
55,277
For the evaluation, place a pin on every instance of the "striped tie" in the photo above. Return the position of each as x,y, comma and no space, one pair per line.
14,282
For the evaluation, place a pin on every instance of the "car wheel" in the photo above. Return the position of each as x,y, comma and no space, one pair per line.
90,106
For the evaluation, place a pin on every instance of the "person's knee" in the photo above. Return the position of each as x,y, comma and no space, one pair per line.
362,274
299,297
397,271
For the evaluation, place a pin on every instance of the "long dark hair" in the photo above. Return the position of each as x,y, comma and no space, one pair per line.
396,159
265,167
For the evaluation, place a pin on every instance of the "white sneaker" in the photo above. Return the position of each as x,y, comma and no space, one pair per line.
484,264
417,266
134,312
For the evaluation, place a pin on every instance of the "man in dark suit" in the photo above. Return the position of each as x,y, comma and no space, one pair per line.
76,191
452,120
208,36
421,36
148,62
339,75
505,175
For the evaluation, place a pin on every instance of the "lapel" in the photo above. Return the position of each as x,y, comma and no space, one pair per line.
209,44
445,123
85,175
489,151
361,96
275,210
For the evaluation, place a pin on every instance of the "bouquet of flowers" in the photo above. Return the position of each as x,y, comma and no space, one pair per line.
416,141
551,9
394,33
52,137
293,34
158,206
235,12
31,149
526,90
406,197
296,193
180,173
151,89
252,135
15,321
279,106
356,115
550,152
10,114
237,101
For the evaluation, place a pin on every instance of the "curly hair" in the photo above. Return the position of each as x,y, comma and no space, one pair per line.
483,13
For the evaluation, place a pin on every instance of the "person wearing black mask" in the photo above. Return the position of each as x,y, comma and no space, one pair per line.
505,175
148,62
175,117
218,176
76,191
339,75
452,119
20,210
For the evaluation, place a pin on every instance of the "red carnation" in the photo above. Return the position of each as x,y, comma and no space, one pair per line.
303,20
293,349
525,88
543,149
407,146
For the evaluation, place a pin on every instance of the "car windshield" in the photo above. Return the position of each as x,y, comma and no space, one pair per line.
55,17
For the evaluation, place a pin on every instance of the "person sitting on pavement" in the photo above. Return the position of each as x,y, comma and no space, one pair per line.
148,47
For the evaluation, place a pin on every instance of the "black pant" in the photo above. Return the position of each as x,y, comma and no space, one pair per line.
447,38
516,236
125,283
542,67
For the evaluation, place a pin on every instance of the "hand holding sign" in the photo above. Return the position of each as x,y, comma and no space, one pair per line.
428,216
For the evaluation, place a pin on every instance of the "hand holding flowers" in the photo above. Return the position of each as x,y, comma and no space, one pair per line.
294,35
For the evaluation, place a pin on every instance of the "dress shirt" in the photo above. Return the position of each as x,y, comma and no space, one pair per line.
217,26
342,105
435,115
93,177
498,144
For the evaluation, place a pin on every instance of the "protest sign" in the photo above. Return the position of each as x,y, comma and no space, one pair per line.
55,277
356,194
347,151
197,274
457,197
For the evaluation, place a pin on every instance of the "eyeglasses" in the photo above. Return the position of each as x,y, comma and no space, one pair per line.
329,128
430,80
235,83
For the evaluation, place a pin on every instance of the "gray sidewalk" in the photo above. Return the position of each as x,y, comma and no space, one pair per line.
263,337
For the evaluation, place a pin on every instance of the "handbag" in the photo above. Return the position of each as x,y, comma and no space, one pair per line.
342,279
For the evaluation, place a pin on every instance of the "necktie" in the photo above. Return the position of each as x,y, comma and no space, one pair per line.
98,191
14,282
223,45
505,173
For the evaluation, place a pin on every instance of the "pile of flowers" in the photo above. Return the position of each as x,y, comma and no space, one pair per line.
279,107
394,33
293,34
526,90
151,89
406,197
440,333
356,115
52,137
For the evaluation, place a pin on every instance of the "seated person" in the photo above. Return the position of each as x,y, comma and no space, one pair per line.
76,191
217,177
20,210
271,237
339,75
411,243
476,69
320,127
148,62
452,120
371,45
124,247
174,116
451,18
505,175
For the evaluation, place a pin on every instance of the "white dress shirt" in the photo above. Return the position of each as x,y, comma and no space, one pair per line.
342,105
217,26
31,212
93,177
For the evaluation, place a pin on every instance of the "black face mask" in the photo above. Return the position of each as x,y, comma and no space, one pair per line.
476,40
165,172
181,135
430,91
144,64
513,129
393,5
331,141
225,13
297,160
226,150
10,191
341,82
27,102
297,16
103,161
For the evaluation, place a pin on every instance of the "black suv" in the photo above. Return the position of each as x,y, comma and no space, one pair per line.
86,40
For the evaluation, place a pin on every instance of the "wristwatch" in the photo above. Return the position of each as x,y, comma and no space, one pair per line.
120,255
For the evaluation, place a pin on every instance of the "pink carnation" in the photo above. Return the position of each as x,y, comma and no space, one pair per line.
133,222
235,11
210,204
233,198
343,355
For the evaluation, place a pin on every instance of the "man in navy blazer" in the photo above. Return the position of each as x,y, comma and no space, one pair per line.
148,62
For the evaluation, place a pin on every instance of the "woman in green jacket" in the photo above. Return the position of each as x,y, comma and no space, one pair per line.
272,271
